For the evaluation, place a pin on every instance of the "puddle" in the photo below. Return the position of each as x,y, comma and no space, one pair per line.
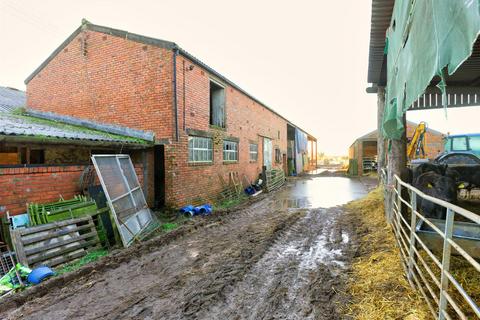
320,192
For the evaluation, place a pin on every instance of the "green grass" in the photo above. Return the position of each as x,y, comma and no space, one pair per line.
169,226
227,204
89,258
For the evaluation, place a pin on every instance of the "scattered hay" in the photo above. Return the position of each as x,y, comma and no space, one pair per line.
466,275
377,284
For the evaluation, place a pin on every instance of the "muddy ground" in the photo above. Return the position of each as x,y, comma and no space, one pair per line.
268,260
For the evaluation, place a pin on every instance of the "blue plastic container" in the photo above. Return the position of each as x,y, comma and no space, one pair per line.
250,190
188,211
39,274
203,210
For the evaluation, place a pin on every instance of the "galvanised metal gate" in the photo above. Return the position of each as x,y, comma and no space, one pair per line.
427,270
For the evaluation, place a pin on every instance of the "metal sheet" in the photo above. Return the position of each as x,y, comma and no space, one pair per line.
124,195
466,234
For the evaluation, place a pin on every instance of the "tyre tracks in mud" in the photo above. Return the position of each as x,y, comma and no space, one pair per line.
257,263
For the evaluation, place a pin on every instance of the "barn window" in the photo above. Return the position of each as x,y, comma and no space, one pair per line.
8,155
37,156
217,104
278,155
253,152
230,150
21,155
200,150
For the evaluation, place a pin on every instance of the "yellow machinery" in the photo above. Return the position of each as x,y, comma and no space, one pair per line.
416,146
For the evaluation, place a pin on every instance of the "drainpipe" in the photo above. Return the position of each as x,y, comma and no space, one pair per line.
175,53
184,109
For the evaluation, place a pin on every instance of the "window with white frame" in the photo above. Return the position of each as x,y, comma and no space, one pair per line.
230,150
200,149
253,152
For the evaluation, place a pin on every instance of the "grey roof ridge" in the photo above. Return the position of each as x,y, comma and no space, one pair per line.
108,128
86,25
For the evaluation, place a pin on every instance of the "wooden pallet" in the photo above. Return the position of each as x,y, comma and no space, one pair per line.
55,243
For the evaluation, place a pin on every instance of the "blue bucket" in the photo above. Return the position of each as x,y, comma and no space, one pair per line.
39,274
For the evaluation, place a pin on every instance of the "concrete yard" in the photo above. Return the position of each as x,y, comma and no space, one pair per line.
282,257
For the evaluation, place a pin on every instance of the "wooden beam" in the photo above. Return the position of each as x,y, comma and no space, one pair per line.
380,138
397,161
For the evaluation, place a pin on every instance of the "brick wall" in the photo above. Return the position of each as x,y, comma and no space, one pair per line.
118,81
245,119
127,83
40,184
433,142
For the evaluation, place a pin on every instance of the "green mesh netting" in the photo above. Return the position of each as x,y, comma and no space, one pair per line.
425,38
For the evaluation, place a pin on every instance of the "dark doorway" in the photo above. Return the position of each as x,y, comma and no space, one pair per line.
159,179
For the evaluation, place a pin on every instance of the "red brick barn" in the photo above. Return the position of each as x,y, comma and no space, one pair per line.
204,124
363,151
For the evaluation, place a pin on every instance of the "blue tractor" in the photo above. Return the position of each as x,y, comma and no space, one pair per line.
461,149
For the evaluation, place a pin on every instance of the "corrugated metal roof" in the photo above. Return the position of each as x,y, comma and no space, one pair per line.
380,20
28,126
11,98
381,14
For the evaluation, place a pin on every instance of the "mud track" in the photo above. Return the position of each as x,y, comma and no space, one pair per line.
255,263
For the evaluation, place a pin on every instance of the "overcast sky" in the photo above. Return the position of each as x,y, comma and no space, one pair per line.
305,59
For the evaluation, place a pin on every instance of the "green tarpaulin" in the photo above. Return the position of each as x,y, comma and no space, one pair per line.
425,38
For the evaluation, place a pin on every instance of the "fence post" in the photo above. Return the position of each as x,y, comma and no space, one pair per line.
447,249
399,205
413,225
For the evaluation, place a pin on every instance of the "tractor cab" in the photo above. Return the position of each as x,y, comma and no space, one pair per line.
461,149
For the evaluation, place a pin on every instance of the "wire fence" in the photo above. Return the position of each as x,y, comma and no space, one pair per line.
438,255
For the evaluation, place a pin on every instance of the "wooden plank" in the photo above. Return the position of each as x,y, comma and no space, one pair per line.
47,256
57,234
60,243
18,246
52,225
66,258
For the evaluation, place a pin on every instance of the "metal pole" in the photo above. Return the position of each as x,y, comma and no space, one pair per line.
411,253
447,249
399,211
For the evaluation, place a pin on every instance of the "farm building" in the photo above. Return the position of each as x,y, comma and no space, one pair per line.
42,160
363,152
195,125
